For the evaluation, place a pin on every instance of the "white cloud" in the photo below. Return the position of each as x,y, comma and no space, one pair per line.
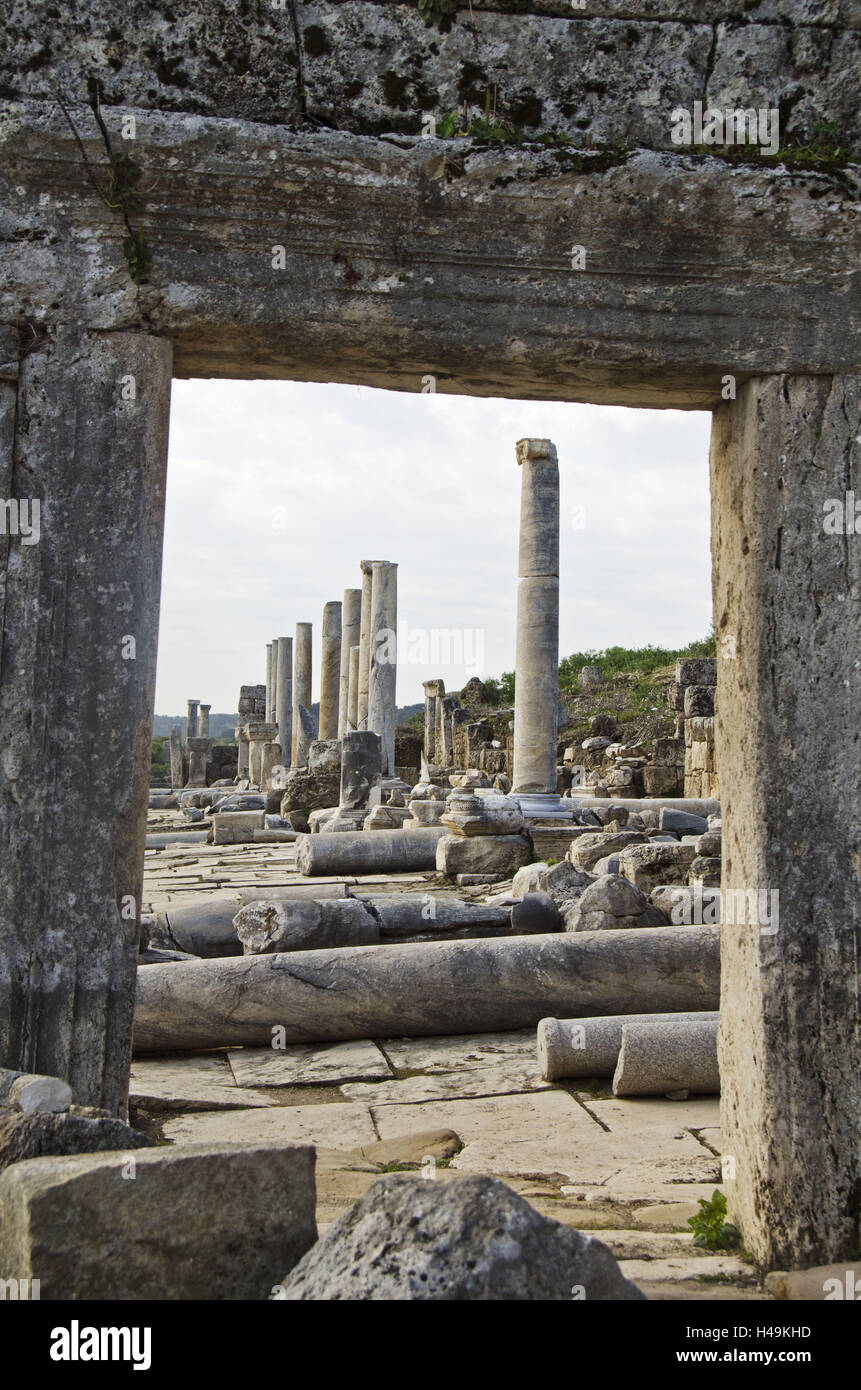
432,483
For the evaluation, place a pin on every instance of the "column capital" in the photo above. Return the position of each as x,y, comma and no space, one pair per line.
536,451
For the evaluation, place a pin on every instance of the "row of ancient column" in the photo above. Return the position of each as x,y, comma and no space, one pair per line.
195,747
358,672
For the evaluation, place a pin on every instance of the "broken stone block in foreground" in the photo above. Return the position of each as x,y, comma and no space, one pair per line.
219,1221
416,1239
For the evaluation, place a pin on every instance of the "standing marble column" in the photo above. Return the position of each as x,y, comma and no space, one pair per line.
364,645
446,705
353,692
351,626
536,691
274,661
434,691
383,669
191,720
330,669
269,714
242,753
284,699
301,692
176,777
203,721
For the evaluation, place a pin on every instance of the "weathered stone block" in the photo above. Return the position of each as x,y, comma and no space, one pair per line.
482,815
663,781
458,854
699,670
236,827
471,1238
201,1222
595,845
699,701
37,1136
650,865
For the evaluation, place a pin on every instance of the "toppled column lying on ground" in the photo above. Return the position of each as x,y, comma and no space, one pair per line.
358,852
33,1094
207,929
677,1058
423,990
571,1047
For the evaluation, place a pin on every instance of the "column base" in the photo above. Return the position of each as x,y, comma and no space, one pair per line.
542,805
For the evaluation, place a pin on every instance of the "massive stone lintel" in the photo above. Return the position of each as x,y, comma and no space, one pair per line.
75,716
785,456
654,318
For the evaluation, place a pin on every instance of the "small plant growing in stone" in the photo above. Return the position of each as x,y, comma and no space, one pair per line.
711,1229
438,12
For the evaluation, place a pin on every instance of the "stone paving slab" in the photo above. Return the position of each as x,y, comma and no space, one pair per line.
431,1055
548,1132
525,1134
675,1269
650,1245
680,1176
648,1112
472,1081
304,1065
341,1125
200,1080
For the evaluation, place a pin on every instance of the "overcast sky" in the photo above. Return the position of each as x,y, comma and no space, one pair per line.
276,491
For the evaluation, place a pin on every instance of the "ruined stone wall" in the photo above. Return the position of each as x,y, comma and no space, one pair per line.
608,75
693,695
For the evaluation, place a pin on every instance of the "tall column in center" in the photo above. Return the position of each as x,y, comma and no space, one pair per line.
330,670
383,667
536,690
364,646
351,623
301,692
284,699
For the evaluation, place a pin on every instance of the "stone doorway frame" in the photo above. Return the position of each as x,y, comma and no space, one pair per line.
85,369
